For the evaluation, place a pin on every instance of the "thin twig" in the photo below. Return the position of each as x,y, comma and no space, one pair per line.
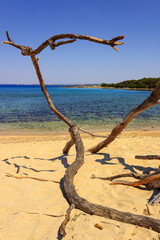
92,134
9,39
66,220
45,214
39,179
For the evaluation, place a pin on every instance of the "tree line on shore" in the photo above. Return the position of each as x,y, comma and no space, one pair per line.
148,83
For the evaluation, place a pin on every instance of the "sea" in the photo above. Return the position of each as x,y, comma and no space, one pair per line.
24,108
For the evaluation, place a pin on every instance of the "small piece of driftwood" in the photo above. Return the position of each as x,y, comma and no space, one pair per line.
148,157
155,199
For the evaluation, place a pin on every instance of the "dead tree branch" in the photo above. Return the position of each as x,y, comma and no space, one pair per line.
34,178
47,96
92,134
152,180
74,199
149,179
151,101
66,220
95,209
131,174
69,144
148,157
52,42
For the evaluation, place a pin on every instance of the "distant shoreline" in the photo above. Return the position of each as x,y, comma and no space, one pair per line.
74,86
98,86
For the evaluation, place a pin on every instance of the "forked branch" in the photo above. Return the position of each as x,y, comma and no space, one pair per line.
95,209
28,51
153,181
73,198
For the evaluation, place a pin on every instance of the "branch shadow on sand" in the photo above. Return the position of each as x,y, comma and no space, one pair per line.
10,161
133,168
62,158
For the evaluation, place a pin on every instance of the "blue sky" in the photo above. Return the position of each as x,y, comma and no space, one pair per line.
32,22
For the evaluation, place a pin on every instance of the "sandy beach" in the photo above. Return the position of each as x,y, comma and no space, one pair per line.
31,209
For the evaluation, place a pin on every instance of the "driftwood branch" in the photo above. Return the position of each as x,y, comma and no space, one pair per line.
131,174
148,157
34,178
46,94
27,51
152,180
92,134
151,101
69,144
66,220
73,198
95,209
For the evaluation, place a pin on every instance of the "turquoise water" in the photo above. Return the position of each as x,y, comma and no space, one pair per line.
25,107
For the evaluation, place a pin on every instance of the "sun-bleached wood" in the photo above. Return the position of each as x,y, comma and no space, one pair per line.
72,196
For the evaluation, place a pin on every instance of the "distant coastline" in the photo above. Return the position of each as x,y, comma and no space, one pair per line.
74,86
99,86
143,84
83,86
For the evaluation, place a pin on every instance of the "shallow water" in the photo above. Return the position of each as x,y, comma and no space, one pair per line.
25,107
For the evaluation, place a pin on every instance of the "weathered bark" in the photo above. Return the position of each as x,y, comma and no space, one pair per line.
66,220
46,94
69,144
131,174
148,157
28,51
151,101
153,181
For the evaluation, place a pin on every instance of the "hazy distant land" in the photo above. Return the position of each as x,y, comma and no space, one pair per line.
141,84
